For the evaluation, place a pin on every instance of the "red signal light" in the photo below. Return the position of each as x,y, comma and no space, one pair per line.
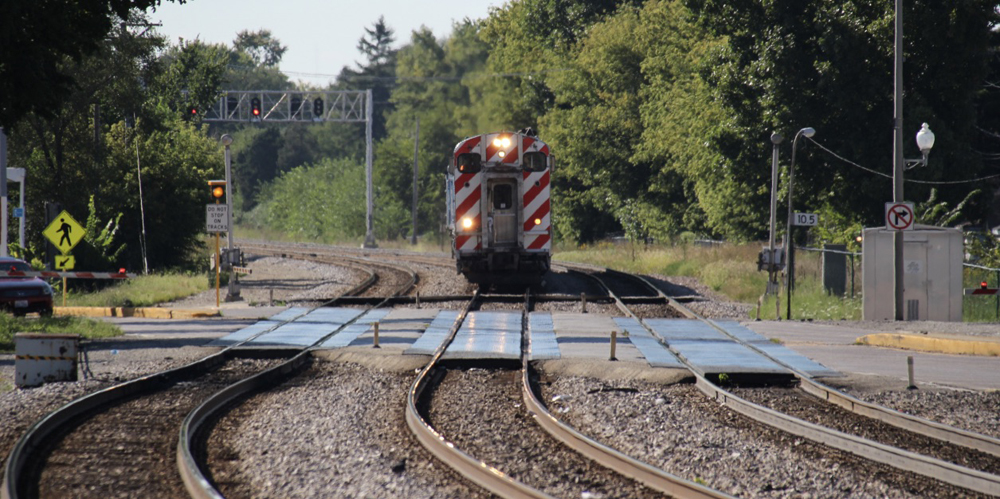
982,285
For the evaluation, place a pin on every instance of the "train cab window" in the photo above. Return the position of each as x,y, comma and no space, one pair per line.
469,163
503,197
534,161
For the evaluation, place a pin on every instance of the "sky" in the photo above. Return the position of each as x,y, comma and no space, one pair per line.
321,36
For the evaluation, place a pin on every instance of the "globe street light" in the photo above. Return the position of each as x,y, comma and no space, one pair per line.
925,141
807,132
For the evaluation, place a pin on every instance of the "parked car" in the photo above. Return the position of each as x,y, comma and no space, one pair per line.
23,295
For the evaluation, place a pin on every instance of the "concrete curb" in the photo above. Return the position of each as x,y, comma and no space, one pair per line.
142,312
937,344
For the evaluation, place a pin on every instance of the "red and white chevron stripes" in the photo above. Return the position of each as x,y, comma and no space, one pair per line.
537,220
468,217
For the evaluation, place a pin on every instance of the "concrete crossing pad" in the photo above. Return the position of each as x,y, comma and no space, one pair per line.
487,335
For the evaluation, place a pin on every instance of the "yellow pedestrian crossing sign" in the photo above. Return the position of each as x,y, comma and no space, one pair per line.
65,262
64,232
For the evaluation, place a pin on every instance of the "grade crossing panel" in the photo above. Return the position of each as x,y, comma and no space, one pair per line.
435,334
487,335
709,351
289,314
542,344
784,354
656,354
242,334
351,332
301,332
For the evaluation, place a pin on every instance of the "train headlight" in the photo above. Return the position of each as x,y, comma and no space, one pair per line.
505,142
466,223
538,221
501,154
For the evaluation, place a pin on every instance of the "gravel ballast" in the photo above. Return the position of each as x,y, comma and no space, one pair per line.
339,431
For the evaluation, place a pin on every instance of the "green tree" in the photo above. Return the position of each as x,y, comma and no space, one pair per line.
787,65
37,39
262,48
325,201
175,163
192,75
377,72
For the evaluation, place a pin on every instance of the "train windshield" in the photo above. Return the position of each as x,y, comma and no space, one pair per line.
469,163
534,161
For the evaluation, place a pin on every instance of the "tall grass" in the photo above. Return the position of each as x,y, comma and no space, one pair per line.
141,291
731,270
86,328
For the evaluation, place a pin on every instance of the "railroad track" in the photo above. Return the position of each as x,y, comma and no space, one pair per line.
977,452
623,475
149,410
977,477
194,427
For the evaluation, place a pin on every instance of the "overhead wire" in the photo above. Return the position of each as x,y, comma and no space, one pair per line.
876,172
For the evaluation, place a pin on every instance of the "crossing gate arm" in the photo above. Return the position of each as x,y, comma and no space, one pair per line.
70,275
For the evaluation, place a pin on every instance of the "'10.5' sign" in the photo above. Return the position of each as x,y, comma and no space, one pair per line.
807,219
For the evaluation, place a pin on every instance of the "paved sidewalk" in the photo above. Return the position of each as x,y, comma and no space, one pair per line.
856,350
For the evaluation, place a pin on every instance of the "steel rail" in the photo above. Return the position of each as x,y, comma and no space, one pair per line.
33,439
933,429
926,466
477,471
620,463
194,477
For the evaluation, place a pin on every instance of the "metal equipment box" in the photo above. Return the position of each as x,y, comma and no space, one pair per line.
43,358
932,274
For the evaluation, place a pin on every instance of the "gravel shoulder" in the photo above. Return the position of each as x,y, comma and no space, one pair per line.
363,398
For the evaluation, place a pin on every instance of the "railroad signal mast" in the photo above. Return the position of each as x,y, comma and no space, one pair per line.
341,106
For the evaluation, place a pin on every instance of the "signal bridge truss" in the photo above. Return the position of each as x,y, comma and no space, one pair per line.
348,106
345,106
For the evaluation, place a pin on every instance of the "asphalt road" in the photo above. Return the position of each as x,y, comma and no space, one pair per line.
834,347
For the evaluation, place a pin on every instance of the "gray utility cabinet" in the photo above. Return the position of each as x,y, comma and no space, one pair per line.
932,274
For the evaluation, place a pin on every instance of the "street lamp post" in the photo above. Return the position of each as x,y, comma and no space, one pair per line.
925,141
807,132
776,139
234,290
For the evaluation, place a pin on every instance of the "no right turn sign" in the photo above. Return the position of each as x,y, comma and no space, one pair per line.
899,216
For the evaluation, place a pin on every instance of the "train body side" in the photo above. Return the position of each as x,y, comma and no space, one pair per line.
499,207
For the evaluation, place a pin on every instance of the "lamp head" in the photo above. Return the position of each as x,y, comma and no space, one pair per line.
808,132
925,139
226,139
776,138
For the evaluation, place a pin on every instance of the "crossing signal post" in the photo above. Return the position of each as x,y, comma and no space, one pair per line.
217,222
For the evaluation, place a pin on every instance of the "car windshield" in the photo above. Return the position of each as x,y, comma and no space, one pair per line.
16,267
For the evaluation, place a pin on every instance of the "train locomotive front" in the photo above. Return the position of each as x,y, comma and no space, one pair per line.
499,209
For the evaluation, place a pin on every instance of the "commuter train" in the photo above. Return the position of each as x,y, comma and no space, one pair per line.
498,207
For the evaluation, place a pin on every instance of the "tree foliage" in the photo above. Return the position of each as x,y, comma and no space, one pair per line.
37,39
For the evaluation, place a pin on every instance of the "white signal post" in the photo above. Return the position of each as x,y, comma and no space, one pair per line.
234,290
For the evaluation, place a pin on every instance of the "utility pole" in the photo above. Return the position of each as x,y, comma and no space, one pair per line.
369,191
897,160
416,151
3,191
